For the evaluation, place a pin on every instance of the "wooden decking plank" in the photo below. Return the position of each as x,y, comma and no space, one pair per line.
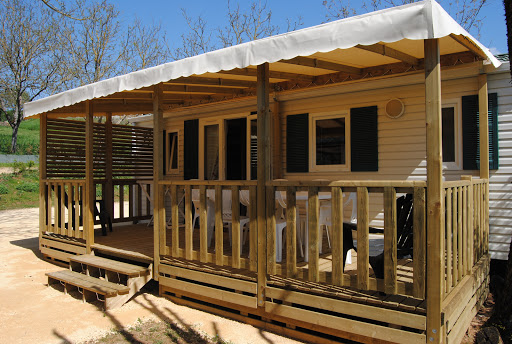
90,283
109,264
130,254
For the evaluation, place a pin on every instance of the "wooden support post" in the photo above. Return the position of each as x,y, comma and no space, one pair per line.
434,191
90,193
158,194
264,175
483,109
483,119
43,192
276,143
108,195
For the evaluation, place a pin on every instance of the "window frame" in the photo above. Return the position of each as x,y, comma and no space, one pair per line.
202,124
313,117
168,162
457,111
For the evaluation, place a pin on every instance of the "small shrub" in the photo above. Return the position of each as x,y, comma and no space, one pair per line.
3,190
27,187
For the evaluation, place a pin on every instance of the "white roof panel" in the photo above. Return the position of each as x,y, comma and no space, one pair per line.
408,23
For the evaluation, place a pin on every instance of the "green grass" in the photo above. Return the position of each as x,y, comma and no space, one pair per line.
19,190
28,138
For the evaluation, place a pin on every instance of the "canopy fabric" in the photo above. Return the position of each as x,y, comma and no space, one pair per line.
405,26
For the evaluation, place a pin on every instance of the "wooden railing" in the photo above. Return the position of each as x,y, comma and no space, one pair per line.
331,270
64,207
130,199
466,236
182,240
326,268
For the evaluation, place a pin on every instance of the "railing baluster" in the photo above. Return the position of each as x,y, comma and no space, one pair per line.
219,229
188,223
460,241
419,238
130,201
203,225
449,234
235,227
363,277
337,235
49,205
139,199
313,233
455,265
291,232
271,230
390,244
70,210
465,229
253,229
56,205
121,200
63,229
175,231
76,225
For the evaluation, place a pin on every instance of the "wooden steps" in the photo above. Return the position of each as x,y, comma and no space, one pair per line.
105,279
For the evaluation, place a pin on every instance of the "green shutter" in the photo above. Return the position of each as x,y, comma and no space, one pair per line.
297,143
494,161
364,141
471,135
191,149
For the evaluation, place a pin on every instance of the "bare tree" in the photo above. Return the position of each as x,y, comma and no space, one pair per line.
147,46
97,46
465,12
30,57
197,41
241,26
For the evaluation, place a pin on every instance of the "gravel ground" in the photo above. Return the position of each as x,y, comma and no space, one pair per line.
31,312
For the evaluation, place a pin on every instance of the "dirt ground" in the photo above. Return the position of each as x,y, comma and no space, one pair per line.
31,312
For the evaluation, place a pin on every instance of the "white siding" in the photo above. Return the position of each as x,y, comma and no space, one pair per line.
500,193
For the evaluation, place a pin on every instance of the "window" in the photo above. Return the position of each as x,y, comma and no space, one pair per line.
211,152
329,142
252,147
172,149
451,136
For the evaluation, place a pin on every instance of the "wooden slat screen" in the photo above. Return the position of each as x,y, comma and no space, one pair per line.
65,149
132,151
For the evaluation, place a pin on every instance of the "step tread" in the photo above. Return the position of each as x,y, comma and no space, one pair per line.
123,253
90,283
110,264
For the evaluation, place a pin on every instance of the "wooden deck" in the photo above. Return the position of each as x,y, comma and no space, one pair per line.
138,239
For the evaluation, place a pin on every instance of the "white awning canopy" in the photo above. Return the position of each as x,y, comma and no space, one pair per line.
352,46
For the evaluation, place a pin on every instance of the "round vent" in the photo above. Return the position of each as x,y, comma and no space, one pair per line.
394,108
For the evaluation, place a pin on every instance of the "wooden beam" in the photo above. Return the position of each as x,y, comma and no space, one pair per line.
384,50
483,110
159,229
273,74
264,175
185,89
196,80
316,63
468,45
90,193
435,227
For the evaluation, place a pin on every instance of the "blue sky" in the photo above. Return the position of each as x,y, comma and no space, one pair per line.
492,35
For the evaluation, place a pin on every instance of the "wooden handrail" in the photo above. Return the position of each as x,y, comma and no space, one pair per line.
209,182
